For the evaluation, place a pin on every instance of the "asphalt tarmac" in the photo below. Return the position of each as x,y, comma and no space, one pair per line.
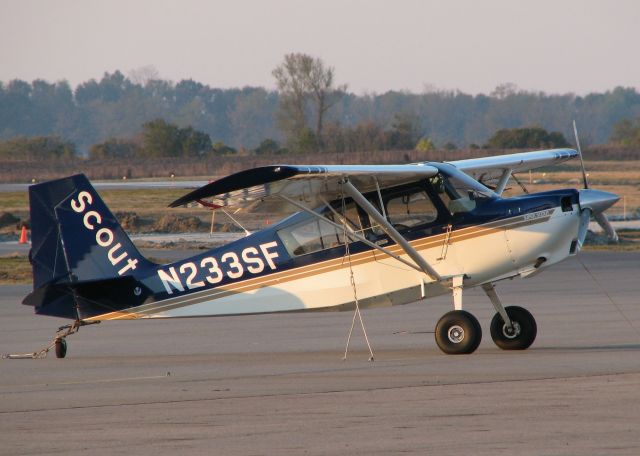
277,384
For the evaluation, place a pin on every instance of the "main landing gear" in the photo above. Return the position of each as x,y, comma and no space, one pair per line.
458,332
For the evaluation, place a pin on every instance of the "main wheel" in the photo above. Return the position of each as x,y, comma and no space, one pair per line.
61,348
458,333
522,333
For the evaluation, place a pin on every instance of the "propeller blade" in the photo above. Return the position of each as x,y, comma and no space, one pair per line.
603,221
584,173
585,216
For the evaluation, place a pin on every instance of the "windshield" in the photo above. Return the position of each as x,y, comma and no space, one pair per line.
458,191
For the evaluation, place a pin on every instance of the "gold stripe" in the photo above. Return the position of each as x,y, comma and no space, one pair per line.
314,269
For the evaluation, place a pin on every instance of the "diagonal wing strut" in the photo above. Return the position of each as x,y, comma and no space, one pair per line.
388,228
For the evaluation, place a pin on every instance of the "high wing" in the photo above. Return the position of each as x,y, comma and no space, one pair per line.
311,185
500,167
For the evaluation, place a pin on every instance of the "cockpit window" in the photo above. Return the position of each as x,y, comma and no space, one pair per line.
313,234
411,209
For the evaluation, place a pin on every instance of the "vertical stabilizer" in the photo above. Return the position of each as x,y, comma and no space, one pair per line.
75,240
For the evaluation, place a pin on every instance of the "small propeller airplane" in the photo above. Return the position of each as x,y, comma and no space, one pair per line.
407,232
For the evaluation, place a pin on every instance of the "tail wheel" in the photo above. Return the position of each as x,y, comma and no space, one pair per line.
458,333
61,348
522,332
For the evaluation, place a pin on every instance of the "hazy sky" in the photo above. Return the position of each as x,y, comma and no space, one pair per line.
556,46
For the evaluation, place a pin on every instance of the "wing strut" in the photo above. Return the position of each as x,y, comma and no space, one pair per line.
502,183
389,229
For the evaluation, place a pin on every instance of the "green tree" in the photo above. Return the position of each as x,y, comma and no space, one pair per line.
220,148
114,148
163,139
41,148
528,137
268,147
307,141
403,135
626,133
425,145
194,143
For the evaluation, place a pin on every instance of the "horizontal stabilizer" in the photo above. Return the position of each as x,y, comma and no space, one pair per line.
81,300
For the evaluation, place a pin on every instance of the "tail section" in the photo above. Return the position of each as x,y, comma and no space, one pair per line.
76,240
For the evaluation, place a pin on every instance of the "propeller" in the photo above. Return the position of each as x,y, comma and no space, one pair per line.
584,173
593,202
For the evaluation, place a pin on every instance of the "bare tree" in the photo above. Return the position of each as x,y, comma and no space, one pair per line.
292,85
142,75
302,81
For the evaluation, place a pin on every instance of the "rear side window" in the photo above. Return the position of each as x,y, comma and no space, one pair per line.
411,209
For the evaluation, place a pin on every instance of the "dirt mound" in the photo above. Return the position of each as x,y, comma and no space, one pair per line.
174,224
226,228
7,218
130,221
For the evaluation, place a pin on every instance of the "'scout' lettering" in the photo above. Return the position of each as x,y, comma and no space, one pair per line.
116,254
83,198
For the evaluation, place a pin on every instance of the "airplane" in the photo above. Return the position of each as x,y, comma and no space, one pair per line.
395,233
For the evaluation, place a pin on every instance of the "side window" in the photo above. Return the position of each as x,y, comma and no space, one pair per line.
309,236
411,209
313,234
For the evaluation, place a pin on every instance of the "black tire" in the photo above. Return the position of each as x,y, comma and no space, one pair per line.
525,325
61,348
458,333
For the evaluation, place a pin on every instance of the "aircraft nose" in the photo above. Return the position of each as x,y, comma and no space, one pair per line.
597,200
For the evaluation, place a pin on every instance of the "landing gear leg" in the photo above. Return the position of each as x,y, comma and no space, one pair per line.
458,332
513,327
490,290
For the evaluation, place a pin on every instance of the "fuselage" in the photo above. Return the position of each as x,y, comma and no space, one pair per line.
301,263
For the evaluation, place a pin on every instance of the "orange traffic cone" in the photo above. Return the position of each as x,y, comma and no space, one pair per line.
23,235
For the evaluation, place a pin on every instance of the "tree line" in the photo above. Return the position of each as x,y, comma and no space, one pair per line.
119,116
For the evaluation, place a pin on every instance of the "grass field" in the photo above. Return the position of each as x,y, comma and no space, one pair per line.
15,269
